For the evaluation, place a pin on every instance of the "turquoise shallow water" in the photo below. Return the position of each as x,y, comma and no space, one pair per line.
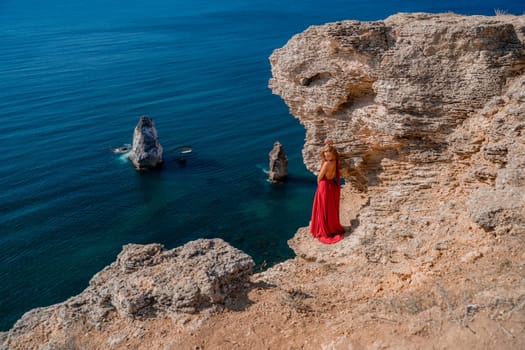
76,77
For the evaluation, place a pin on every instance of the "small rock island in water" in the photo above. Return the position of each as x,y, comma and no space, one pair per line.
146,151
278,171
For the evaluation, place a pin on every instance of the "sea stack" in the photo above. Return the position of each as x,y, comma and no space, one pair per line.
146,152
278,163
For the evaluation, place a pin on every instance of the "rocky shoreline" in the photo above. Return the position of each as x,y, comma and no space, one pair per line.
145,282
428,111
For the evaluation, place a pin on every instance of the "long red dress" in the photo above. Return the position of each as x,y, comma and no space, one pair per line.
325,224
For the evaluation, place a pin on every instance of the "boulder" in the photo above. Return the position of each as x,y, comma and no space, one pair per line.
146,280
146,152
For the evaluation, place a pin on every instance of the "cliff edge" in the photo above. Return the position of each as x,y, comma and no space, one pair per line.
428,111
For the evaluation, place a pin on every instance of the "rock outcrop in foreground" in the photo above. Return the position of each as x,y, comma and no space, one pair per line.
428,112
145,282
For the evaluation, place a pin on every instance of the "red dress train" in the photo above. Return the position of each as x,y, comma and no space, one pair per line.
325,224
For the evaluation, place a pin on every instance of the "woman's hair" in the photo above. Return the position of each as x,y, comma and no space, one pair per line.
328,147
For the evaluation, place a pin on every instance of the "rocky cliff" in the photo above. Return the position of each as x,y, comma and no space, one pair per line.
428,112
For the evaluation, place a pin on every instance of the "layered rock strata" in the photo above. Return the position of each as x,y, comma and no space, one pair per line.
421,107
428,112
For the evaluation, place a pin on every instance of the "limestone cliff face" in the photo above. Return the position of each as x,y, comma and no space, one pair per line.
376,86
428,112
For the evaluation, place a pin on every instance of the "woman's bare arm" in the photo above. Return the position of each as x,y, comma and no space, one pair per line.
322,172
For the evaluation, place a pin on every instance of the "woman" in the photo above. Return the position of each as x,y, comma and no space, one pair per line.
325,225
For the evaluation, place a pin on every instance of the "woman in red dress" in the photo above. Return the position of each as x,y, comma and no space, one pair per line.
325,225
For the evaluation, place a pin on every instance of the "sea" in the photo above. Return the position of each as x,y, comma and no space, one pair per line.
76,76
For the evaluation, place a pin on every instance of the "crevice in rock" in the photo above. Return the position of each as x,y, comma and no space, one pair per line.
316,79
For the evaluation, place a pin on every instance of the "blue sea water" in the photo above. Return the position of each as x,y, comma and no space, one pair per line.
76,76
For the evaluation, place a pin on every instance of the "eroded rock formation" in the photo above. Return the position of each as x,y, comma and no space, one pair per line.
278,163
427,111
145,282
404,83
146,151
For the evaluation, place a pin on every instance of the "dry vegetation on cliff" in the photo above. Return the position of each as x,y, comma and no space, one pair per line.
429,113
